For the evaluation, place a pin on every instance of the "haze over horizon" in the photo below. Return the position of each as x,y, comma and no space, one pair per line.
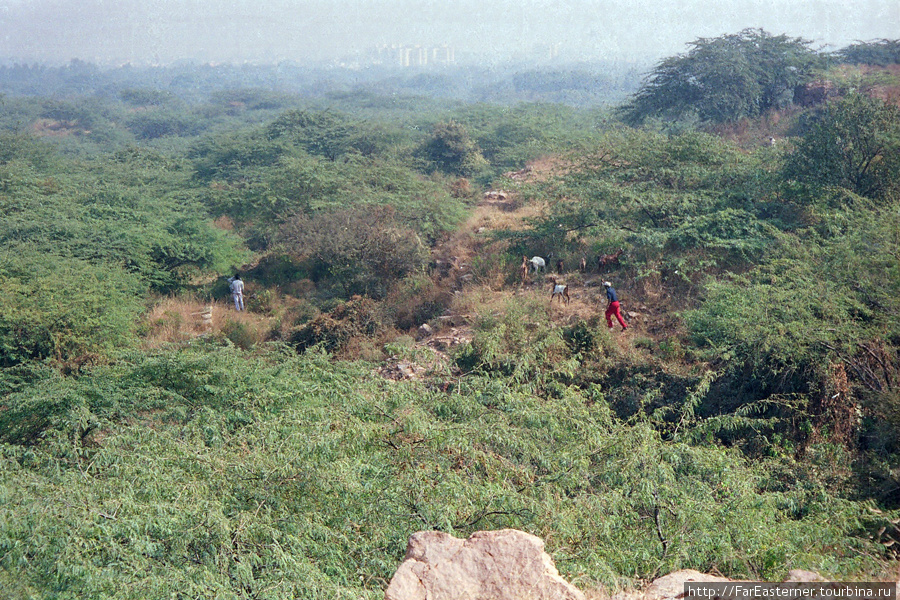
164,31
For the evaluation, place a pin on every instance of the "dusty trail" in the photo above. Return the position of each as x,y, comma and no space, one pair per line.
477,289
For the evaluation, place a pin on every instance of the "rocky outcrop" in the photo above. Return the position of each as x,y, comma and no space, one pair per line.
490,565
512,565
670,586
814,93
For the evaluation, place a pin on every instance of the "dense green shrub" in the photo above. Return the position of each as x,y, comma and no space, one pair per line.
159,123
690,202
164,236
330,134
778,330
452,150
362,249
519,344
854,143
28,149
62,308
208,471
227,156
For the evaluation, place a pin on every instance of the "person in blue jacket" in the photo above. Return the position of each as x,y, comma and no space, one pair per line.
612,306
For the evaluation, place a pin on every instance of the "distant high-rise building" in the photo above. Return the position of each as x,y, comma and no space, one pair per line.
404,55
554,51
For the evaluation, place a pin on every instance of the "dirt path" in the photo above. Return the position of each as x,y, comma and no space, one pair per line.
456,271
477,289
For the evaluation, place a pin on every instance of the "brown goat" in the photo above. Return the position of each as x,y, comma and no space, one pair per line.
608,260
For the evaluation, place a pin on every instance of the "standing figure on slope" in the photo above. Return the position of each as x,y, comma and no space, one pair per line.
612,306
237,291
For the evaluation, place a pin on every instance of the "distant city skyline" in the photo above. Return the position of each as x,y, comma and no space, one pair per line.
236,31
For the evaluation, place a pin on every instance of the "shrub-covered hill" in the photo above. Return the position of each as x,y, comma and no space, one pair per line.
208,471
747,422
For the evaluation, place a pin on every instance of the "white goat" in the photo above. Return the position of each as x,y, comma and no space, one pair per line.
559,289
539,264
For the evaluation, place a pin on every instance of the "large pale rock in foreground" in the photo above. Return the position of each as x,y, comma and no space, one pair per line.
490,565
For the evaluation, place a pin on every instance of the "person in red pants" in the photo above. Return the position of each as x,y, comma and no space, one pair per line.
612,306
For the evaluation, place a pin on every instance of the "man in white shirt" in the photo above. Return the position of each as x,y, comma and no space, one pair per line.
237,291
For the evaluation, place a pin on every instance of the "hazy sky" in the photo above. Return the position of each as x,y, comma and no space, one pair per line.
118,31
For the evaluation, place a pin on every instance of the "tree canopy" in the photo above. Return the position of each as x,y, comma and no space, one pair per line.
879,52
725,79
451,149
854,143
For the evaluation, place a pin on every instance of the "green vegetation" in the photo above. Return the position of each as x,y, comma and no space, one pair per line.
879,52
853,144
209,471
154,442
450,149
727,78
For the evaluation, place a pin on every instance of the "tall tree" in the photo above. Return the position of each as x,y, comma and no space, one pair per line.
724,79
854,144
451,149
880,52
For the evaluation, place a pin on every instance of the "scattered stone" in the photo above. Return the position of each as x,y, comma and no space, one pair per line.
671,586
490,565
424,331
801,576
400,370
206,316
454,320
446,341
440,343
520,174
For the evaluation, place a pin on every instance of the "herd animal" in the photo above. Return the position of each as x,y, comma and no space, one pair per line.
560,290
608,260
539,264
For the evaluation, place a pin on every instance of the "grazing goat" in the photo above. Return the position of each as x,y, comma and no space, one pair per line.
607,260
539,264
559,289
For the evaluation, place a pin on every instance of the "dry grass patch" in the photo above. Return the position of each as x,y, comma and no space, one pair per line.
490,217
547,167
224,222
173,320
